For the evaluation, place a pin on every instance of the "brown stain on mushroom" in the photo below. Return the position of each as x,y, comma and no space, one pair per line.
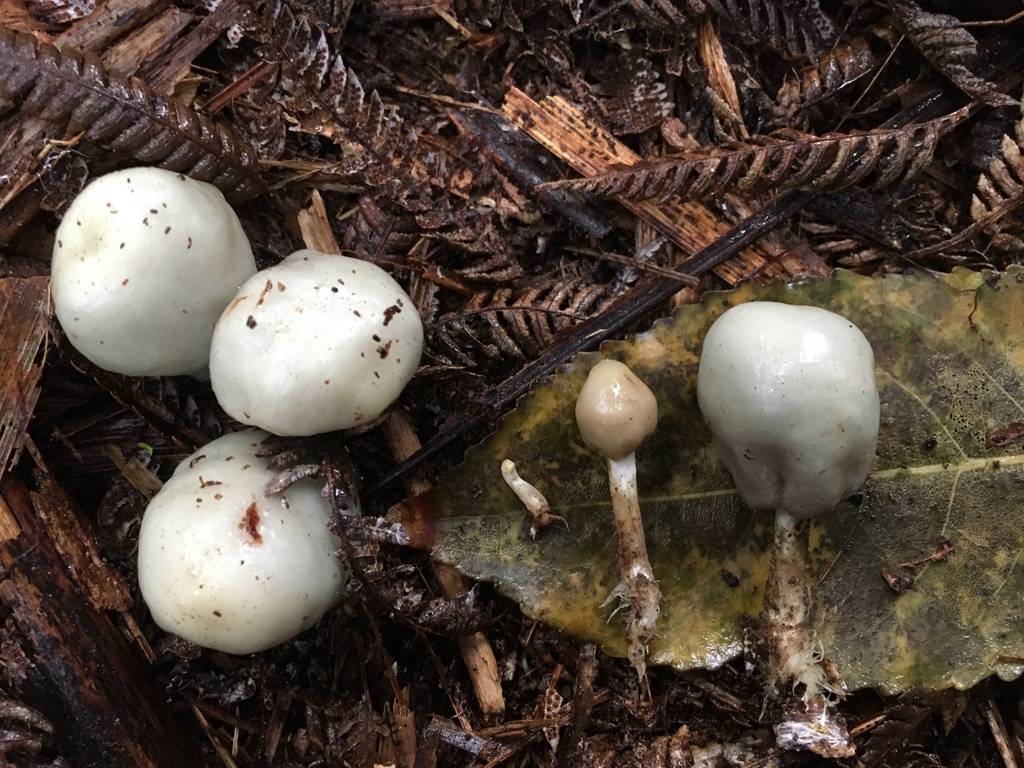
235,303
390,312
251,523
263,294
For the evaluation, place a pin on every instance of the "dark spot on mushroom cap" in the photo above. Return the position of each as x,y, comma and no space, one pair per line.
383,350
196,460
251,523
250,322
390,312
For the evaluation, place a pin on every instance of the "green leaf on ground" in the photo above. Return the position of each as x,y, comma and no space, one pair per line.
950,366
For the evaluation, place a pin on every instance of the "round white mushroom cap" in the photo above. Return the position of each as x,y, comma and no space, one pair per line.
314,344
144,262
789,393
227,567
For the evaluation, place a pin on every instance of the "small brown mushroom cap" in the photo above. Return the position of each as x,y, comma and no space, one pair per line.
615,411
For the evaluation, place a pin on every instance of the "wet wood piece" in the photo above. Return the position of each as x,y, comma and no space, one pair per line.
110,21
81,669
566,132
102,586
24,322
162,76
150,41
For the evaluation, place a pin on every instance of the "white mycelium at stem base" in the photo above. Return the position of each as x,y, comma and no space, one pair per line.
316,343
789,393
144,262
615,413
226,566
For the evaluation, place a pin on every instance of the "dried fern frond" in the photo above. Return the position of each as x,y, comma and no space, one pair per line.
77,95
1001,188
504,324
944,42
780,161
792,28
327,99
378,235
835,70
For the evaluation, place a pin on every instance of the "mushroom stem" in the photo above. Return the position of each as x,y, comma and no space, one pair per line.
794,657
638,585
785,614
535,502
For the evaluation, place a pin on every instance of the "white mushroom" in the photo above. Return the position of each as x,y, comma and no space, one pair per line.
144,262
314,344
616,412
226,566
789,394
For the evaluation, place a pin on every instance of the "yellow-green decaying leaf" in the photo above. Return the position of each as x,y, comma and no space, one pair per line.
950,366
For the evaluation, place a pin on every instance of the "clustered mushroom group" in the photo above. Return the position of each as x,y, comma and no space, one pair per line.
152,275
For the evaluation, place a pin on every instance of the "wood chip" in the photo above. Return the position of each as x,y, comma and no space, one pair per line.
590,149
80,669
316,227
24,320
